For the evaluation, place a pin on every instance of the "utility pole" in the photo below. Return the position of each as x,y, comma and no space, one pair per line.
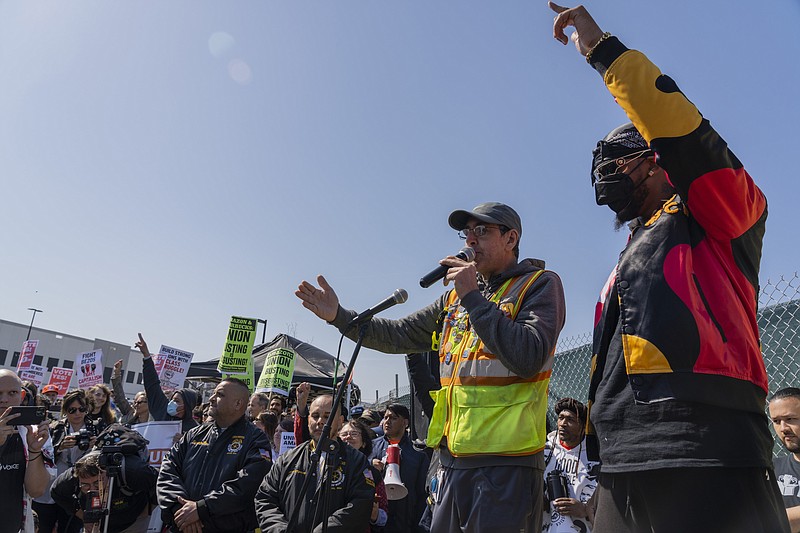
263,331
32,319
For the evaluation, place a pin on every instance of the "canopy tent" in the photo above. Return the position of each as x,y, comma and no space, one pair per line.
312,364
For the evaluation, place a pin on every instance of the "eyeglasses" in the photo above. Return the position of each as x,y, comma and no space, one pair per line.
614,165
73,410
480,230
137,402
88,485
353,433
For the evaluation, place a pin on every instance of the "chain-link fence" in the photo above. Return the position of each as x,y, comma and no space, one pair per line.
778,320
401,396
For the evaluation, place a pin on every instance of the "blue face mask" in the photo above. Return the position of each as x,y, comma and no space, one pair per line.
172,408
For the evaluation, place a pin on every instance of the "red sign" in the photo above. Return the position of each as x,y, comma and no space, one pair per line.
26,356
61,378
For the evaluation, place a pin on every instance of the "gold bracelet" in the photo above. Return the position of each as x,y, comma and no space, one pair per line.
606,35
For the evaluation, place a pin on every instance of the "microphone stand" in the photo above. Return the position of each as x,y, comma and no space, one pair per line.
327,447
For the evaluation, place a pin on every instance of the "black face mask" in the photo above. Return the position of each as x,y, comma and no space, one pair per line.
616,190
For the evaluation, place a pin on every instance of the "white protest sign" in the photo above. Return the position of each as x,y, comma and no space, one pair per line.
34,373
160,435
90,368
172,366
287,442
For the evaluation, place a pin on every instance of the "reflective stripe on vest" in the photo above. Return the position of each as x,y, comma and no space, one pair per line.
483,407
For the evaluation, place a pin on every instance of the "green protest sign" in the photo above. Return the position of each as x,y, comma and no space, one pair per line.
238,352
248,378
278,371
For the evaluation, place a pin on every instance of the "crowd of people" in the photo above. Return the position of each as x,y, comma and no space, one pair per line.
673,435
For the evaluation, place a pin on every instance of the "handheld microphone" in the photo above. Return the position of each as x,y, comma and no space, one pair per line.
466,254
398,297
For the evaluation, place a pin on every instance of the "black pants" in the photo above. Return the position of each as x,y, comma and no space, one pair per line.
689,500
492,499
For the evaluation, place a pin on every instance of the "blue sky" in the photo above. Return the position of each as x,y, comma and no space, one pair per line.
169,164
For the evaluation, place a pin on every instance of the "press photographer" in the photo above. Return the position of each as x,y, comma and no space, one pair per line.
117,467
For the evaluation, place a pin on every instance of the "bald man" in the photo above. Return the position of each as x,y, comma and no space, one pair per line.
352,485
209,479
26,458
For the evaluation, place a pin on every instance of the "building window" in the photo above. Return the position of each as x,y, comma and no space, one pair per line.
139,380
51,362
131,377
15,360
107,375
37,359
3,354
68,363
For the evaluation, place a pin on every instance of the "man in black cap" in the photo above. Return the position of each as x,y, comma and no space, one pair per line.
404,514
496,333
678,385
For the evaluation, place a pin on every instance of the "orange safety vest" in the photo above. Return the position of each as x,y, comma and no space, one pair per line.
483,408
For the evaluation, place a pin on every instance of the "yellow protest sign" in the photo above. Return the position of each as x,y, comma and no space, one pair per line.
278,371
238,352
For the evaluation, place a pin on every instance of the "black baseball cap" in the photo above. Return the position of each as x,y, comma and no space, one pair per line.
489,212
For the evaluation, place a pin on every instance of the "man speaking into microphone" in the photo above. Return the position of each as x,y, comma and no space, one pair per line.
496,332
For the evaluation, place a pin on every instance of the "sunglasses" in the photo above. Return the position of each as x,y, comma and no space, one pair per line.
73,410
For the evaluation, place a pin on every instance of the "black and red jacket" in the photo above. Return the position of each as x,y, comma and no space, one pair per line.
687,281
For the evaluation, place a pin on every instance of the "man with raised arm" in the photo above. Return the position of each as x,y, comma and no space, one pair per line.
678,384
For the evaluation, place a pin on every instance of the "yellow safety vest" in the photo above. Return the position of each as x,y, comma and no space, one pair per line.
483,408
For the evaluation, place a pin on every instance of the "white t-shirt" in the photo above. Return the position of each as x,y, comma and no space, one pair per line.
581,477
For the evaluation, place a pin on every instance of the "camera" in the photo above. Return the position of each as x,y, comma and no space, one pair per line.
557,486
93,511
111,459
82,439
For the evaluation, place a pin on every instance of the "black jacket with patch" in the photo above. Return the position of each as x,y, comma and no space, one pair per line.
220,470
350,500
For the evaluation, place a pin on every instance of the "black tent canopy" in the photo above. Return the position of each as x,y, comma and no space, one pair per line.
312,364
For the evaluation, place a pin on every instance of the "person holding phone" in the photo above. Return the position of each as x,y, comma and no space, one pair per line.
72,439
26,458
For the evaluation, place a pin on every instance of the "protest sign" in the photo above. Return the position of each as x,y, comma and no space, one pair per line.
34,374
278,371
287,442
26,355
90,368
172,367
60,378
160,435
238,346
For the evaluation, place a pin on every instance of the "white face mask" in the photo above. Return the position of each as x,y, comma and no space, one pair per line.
172,408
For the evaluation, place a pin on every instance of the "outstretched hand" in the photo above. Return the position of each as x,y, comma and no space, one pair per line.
321,301
587,33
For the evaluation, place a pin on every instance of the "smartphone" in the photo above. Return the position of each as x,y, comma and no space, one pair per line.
29,415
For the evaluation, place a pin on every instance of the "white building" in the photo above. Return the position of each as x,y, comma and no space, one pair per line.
60,349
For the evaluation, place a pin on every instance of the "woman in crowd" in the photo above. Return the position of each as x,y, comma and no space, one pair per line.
101,413
178,406
132,413
268,423
356,434
70,444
